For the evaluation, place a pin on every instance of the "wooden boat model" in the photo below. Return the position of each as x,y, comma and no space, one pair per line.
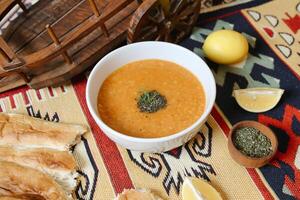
55,40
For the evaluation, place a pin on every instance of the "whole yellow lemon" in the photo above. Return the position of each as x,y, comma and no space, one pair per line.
226,47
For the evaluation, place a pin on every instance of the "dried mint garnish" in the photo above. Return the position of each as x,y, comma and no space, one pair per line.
151,101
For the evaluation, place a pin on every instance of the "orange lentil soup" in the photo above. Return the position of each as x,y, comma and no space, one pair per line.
117,99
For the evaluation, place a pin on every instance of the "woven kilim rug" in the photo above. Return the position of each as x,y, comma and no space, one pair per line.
273,31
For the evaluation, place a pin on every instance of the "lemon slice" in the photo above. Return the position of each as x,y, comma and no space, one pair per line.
258,100
197,189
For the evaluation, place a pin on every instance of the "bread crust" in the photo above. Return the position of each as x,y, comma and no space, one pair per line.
17,180
59,164
41,158
137,194
22,197
28,132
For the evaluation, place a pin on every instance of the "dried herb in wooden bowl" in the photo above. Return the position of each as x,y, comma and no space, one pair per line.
251,142
151,101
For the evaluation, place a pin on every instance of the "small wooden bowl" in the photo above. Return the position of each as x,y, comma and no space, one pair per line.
247,161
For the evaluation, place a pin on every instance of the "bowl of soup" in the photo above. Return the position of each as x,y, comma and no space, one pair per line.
150,96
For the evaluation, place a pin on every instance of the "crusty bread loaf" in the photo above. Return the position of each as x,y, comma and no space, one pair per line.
28,132
61,165
137,194
12,198
22,197
17,180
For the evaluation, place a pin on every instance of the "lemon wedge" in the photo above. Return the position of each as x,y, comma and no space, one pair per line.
258,100
197,189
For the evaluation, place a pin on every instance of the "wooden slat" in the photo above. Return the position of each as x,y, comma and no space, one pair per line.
9,61
56,41
94,8
6,50
10,82
113,8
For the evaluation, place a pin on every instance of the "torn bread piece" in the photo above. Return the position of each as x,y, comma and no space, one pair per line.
16,180
61,165
22,197
12,198
28,132
137,194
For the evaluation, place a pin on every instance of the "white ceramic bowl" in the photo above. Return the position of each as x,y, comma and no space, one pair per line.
150,50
